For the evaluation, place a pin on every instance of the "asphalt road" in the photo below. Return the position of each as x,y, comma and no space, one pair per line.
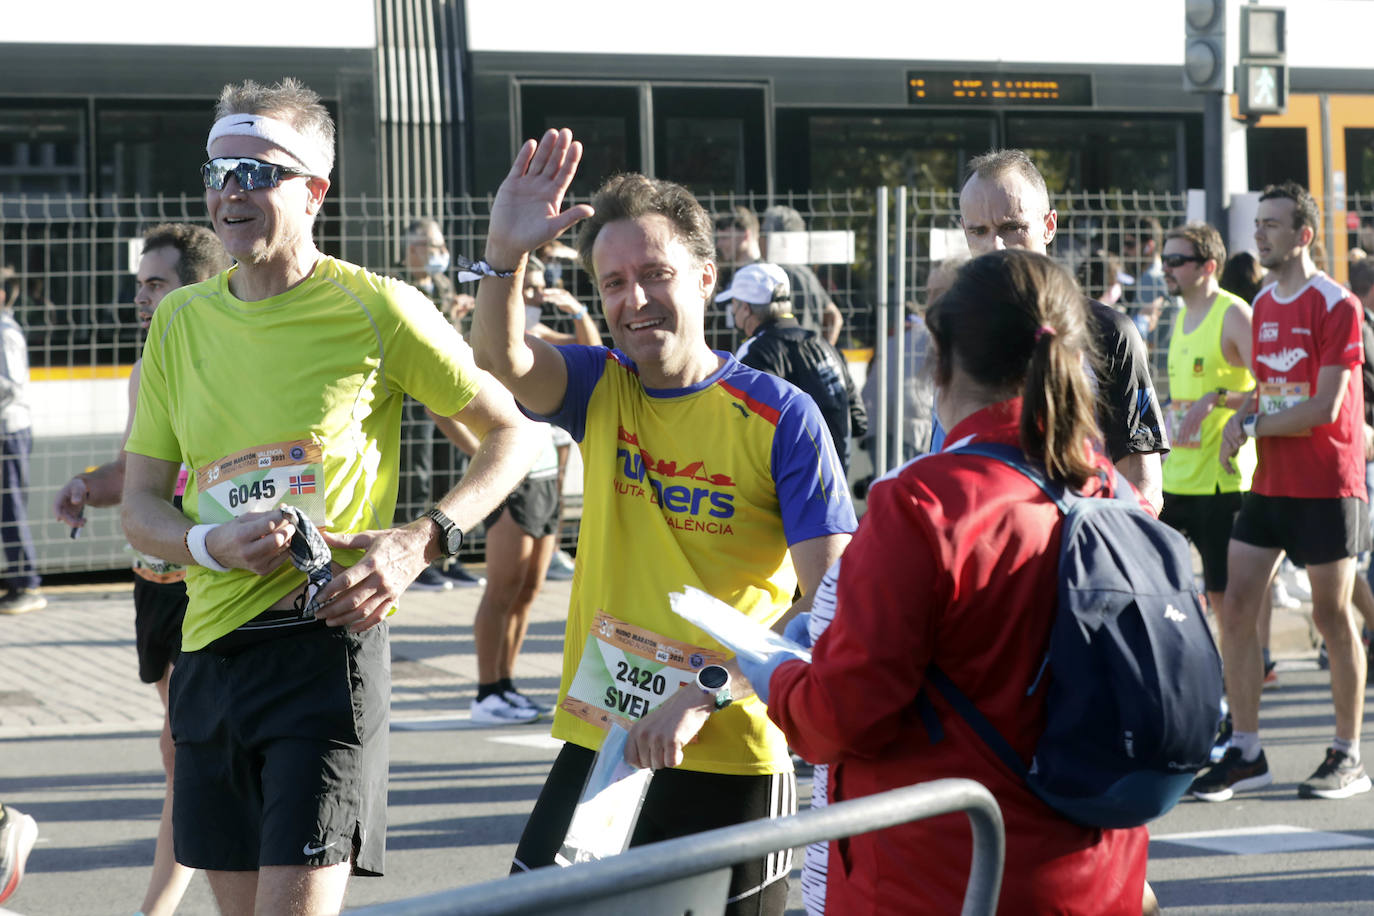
78,751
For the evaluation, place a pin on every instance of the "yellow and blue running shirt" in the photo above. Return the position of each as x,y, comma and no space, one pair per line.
295,398
703,486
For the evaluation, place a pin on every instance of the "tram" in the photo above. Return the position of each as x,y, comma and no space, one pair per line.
103,114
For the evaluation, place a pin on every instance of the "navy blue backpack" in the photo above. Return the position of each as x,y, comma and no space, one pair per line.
1132,674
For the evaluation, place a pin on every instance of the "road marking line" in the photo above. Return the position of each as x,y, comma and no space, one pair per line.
1263,840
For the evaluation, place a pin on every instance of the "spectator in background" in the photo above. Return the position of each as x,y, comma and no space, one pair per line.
429,464
1101,276
1140,246
760,300
174,255
738,242
812,304
1242,276
914,388
22,593
522,534
540,291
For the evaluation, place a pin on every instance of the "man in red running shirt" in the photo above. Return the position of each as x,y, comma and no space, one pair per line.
1308,496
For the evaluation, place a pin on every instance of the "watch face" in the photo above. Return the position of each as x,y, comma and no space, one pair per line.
713,677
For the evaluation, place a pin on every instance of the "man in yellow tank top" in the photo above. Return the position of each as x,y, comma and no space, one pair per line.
1209,379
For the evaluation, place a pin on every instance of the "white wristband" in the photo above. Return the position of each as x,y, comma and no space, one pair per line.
195,542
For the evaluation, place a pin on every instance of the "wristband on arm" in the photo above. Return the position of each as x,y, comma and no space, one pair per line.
195,544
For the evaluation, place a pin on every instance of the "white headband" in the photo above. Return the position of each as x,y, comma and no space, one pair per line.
278,133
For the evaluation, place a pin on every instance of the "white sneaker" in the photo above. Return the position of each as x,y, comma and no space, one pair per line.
560,566
520,701
497,710
1280,598
1296,583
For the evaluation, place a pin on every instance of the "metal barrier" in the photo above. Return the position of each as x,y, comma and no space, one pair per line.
691,874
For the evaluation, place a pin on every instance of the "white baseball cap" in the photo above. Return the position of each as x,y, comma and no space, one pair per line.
758,284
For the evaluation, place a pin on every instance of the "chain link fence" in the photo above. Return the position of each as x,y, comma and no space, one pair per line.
71,284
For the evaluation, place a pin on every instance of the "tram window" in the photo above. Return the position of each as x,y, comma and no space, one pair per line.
1100,154
711,139
1359,160
1276,154
930,152
604,118
150,151
42,151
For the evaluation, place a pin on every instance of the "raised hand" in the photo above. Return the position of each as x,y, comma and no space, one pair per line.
528,209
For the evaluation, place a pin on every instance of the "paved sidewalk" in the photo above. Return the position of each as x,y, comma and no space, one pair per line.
71,668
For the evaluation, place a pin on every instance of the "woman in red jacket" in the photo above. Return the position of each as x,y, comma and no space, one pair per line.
956,564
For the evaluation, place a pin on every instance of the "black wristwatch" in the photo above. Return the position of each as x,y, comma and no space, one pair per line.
714,681
450,535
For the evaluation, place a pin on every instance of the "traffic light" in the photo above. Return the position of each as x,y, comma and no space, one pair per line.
1204,50
1263,72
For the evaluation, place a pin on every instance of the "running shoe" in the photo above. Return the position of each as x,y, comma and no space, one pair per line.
18,832
1337,777
495,709
430,581
1271,677
1233,774
516,698
560,566
1280,597
22,600
1223,738
458,577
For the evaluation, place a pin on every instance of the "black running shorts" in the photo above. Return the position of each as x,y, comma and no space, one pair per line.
679,802
534,506
281,749
1312,531
158,612
1206,520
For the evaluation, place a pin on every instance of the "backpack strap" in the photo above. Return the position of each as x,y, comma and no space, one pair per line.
1060,495
959,701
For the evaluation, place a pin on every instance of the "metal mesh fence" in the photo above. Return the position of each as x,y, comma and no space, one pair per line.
72,289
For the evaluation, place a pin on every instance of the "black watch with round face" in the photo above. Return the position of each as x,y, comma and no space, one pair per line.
450,535
714,681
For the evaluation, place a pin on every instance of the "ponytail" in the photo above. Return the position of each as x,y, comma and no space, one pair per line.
1057,411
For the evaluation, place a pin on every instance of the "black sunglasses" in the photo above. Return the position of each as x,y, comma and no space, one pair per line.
251,174
1178,260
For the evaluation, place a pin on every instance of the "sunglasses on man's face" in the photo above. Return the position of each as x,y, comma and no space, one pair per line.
1178,260
251,174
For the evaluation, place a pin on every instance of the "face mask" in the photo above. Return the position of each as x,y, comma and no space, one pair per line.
438,263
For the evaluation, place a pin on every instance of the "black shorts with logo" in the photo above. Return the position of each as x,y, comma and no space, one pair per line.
1206,520
678,803
281,749
534,506
1312,531
159,609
